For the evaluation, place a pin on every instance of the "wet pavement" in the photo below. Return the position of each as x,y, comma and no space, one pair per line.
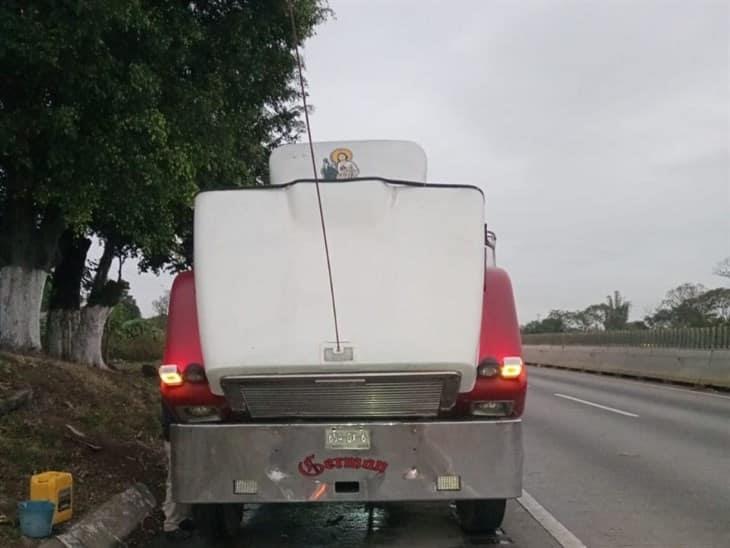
426,525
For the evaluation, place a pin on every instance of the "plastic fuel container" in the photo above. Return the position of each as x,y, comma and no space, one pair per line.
56,487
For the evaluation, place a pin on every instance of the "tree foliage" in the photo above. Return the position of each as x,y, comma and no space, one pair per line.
162,304
125,311
615,312
114,114
128,336
555,322
611,315
236,98
82,122
692,305
687,305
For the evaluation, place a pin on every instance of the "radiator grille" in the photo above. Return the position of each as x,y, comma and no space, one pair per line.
322,396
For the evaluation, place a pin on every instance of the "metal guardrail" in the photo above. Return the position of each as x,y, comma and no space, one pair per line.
704,338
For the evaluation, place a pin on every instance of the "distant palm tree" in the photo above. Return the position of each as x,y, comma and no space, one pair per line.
616,312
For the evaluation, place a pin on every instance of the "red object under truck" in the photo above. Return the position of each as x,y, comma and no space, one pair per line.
413,392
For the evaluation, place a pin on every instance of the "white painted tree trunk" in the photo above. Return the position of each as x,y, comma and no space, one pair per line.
61,328
86,346
21,292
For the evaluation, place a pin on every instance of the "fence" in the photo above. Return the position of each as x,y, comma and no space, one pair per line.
704,338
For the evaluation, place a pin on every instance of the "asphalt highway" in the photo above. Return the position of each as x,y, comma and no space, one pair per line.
625,463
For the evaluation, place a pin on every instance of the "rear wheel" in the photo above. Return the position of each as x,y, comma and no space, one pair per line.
480,516
218,521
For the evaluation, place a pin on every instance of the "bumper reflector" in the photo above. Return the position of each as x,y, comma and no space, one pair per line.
448,483
492,408
245,487
199,413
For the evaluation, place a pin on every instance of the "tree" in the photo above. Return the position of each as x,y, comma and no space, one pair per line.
681,294
162,304
125,311
616,312
678,308
75,332
592,318
715,304
692,305
114,115
65,294
258,112
79,118
613,314
555,322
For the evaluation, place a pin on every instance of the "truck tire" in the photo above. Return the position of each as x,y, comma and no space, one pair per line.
218,521
480,516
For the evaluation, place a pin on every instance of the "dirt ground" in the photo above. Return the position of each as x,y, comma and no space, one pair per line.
117,411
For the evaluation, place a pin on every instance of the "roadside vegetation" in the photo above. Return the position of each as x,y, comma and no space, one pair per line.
688,305
129,337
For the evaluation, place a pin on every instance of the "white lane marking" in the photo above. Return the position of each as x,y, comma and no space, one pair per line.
586,402
557,530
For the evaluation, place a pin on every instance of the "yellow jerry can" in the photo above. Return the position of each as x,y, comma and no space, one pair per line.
56,487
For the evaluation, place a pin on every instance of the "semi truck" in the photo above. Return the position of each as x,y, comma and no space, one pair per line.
383,366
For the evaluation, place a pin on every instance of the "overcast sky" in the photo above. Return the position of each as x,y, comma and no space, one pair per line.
599,131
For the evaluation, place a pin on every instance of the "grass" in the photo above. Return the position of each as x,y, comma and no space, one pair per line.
117,410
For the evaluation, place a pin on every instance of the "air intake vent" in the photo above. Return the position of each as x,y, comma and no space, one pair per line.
420,394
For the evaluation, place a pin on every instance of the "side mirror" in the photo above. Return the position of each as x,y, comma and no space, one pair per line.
490,241
490,238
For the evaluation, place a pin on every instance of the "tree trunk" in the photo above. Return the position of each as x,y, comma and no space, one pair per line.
64,313
104,295
28,238
21,293
86,346
61,326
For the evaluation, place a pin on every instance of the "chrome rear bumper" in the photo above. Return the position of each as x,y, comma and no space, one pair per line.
289,462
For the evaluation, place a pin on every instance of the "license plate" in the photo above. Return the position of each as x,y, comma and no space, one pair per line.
347,438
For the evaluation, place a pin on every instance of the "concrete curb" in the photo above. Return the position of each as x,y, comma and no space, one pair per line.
109,523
